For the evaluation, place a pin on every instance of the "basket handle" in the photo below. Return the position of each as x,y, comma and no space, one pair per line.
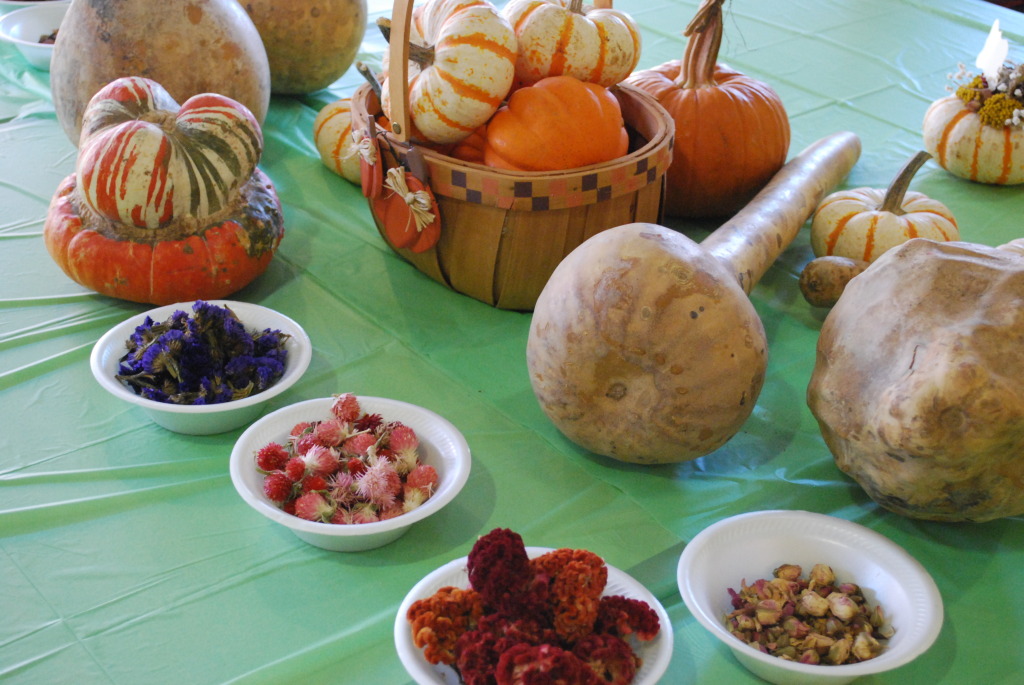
398,68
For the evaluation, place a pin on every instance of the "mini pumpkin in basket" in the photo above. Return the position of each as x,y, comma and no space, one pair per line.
502,227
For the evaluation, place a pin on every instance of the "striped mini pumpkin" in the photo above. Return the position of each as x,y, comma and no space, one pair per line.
332,135
863,223
166,204
966,147
562,37
471,72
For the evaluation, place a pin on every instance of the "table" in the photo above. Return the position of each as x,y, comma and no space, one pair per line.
127,557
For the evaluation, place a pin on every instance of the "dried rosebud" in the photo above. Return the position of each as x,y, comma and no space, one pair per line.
839,652
810,657
810,603
820,642
744,622
842,607
834,626
794,627
788,572
768,612
865,646
848,589
781,589
822,575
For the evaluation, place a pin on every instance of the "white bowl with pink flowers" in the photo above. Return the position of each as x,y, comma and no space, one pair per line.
353,506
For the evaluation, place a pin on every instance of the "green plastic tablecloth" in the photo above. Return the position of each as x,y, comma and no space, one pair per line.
127,557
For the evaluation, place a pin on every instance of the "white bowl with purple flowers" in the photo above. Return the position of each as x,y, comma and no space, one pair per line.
212,396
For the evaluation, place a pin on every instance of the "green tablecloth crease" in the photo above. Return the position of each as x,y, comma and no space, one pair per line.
127,558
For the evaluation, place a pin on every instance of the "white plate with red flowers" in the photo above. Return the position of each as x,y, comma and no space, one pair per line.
655,653
440,446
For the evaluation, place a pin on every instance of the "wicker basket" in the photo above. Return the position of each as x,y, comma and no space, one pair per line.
504,232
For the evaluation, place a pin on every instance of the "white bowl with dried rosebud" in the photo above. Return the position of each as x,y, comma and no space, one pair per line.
805,598
131,361
350,473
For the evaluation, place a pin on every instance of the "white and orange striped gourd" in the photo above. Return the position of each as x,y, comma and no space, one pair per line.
964,145
559,37
469,73
166,203
332,135
862,223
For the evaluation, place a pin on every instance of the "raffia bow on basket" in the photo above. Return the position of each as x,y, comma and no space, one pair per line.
502,233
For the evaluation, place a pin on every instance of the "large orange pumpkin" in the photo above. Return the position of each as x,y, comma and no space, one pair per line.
166,203
732,131
557,123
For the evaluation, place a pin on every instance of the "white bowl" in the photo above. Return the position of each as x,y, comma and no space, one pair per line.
441,446
211,418
655,653
23,27
750,546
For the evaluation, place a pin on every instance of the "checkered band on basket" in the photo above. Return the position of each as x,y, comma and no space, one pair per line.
507,191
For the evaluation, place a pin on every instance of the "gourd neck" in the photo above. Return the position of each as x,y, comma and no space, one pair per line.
893,200
705,40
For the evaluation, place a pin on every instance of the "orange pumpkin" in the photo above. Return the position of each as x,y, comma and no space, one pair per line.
732,131
558,123
461,70
556,37
166,203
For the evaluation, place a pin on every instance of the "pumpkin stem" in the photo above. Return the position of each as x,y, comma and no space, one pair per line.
576,6
371,79
893,201
421,54
705,34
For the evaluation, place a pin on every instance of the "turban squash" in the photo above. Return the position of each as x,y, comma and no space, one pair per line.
166,203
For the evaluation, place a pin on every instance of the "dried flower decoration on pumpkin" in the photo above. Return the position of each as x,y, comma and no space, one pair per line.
207,357
541,620
352,468
977,132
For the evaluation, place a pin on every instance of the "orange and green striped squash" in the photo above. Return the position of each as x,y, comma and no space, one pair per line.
965,146
166,203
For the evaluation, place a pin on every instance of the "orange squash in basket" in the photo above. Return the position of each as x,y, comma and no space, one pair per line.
558,123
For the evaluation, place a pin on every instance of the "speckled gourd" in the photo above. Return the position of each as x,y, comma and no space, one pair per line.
917,384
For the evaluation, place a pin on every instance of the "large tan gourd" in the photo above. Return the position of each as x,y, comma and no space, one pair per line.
310,43
918,387
188,46
644,346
